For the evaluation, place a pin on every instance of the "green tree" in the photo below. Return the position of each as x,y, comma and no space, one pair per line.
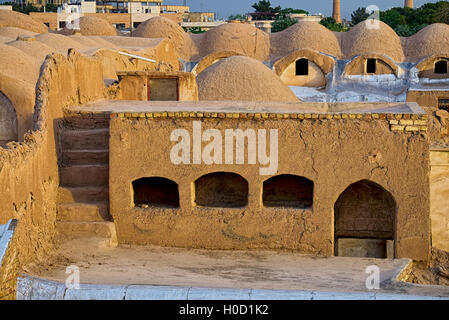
291,10
443,15
332,25
50,7
238,16
265,10
358,16
23,9
194,30
265,6
282,24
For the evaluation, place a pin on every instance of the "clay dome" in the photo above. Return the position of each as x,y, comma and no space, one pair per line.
20,20
240,78
382,40
32,48
24,67
94,26
159,27
304,35
241,38
13,32
59,43
431,40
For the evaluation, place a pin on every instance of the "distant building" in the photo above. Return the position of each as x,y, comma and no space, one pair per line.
305,17
118,12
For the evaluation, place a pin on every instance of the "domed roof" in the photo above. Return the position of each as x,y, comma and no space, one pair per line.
159,27
14,32
59,42
304,35
23,66
362,39
35,49
431,40
20,20
94,26
241,38
240,78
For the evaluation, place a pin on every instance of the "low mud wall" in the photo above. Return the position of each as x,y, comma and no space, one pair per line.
333,153
29,170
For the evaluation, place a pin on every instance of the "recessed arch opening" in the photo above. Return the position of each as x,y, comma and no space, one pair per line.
8,121
221,190
365,218
288,190
155,192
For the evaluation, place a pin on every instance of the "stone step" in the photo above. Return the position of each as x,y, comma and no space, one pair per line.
84,175
71,230
85,139
83,212
83,194
85,123
83,156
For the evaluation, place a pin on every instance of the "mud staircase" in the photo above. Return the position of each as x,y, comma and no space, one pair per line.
83,195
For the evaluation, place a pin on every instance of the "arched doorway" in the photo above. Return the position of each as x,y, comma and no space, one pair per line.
365,218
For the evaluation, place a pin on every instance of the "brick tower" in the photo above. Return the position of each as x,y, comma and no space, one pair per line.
336,13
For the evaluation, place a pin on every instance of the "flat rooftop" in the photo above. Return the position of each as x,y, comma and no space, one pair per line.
270,270
127,106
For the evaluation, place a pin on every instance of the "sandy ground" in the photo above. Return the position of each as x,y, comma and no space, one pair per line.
153,265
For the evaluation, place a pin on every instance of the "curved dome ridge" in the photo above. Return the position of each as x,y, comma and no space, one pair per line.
429,41
305,35
380,39
160,27
241,38
240,78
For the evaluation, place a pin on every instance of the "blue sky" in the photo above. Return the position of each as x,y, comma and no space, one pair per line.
224,8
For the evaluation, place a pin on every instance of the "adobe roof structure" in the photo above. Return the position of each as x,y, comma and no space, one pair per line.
380,39
160,27
302,35
239,78
20,20
431,40
94,26
241,38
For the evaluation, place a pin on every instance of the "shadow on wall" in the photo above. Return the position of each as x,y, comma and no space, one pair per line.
365,215
155,192
222,190
8,121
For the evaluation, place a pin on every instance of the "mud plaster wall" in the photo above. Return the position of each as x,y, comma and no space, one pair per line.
439,201
164,54
427,98
333,154
212,58
319,65
29,171
315,78
21,95
427,68
133,86
358,67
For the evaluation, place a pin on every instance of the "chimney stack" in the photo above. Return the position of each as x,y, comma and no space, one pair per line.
336,13
408,4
